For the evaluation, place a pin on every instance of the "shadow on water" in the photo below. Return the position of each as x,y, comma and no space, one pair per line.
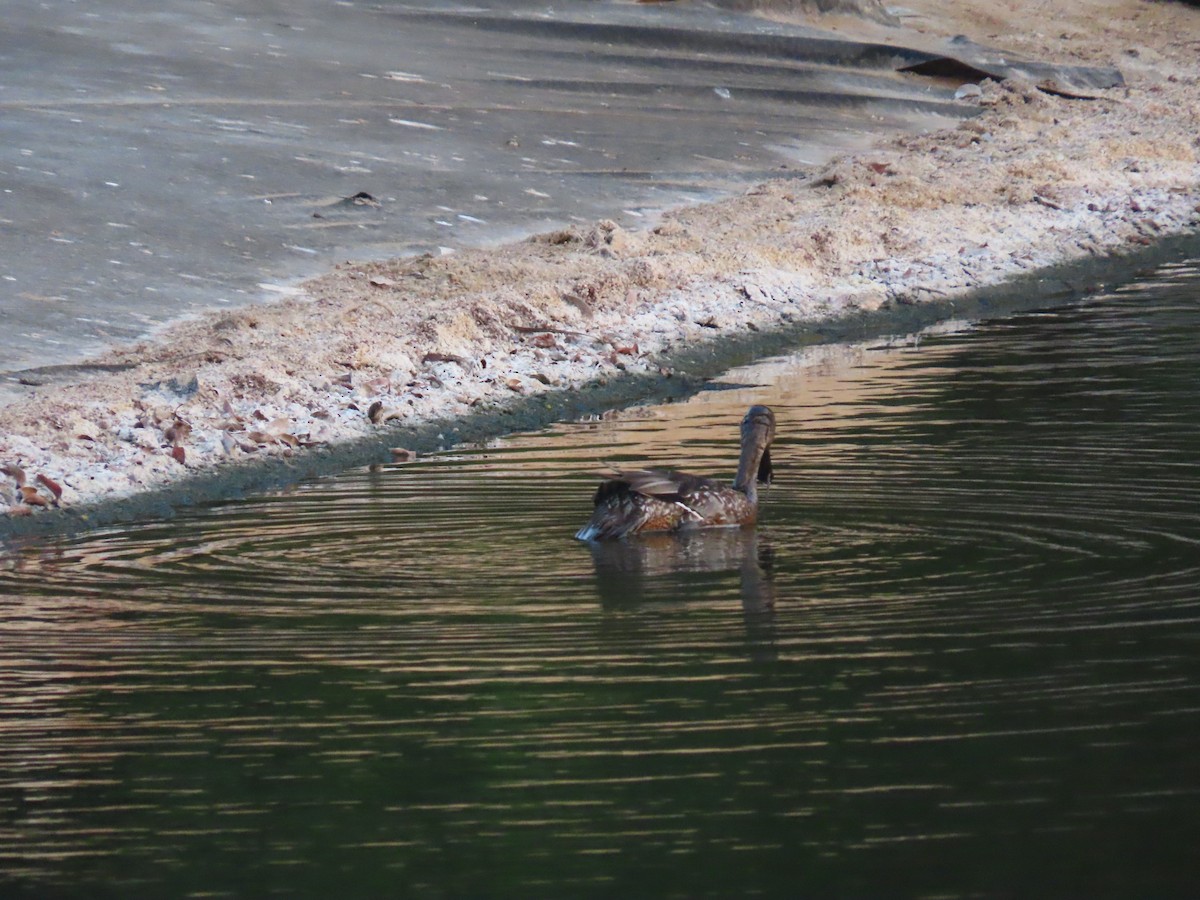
956,658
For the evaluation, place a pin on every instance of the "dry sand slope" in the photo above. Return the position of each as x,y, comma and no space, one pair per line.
1037,179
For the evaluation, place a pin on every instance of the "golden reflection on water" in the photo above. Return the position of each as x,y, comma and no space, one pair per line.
826,387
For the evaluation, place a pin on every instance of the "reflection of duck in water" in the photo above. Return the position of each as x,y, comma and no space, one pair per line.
687,565
644,500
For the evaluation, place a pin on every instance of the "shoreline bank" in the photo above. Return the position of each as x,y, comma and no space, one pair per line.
690,370
1038,188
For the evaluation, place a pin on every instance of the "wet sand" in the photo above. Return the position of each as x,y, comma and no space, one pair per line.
396,352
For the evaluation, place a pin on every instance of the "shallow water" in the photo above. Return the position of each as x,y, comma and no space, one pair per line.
957,658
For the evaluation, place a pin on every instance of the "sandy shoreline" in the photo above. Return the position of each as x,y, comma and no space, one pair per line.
1036,180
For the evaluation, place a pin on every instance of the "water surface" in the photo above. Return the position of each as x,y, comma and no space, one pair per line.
957,658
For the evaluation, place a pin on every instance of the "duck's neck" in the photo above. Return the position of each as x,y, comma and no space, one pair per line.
747,472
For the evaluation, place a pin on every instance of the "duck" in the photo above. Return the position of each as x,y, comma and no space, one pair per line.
636,501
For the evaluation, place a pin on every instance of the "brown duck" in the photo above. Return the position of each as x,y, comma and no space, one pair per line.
642,500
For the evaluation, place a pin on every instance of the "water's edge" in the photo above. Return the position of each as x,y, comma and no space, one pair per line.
691,369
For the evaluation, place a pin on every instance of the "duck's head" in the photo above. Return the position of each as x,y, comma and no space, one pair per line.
759,420
758,430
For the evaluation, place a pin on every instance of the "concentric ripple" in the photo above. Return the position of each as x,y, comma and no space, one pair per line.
956,658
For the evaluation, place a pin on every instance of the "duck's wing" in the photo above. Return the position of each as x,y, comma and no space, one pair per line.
627,502
657,483
691,493
630,501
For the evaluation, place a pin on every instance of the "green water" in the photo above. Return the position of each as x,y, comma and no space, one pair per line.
957,658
